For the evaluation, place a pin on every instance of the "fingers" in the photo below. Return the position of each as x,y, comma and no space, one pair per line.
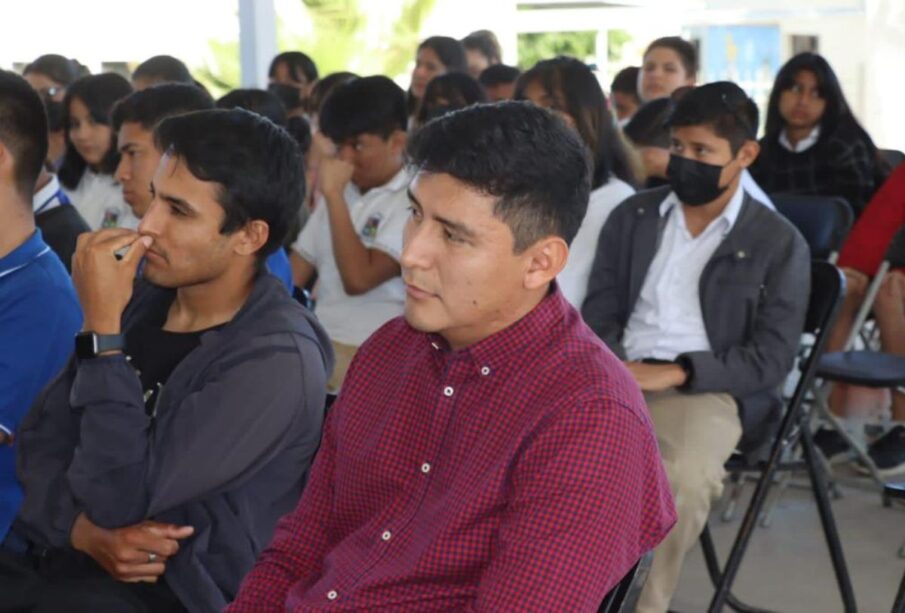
137,251
139,572
170,531
87,239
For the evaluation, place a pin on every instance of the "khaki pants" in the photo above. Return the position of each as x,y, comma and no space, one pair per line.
343,355
697,433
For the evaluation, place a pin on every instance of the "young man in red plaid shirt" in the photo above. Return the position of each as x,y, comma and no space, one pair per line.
487,451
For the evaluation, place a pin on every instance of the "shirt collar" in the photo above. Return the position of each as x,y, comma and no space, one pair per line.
729,214
46,194
804,144
399,182
493,352
24,254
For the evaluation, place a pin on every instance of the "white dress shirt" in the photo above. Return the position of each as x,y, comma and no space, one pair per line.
573,280
99,198
667,319
804,144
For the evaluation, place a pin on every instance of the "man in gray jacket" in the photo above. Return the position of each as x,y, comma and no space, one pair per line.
702,290
156,466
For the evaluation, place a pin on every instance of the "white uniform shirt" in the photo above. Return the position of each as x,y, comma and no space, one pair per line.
804,144
379,216
667,319
99,198
573,280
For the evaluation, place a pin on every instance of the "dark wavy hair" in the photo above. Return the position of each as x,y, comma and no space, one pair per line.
214,144
451,54
99,93
837,116
299,64
536,167
575,90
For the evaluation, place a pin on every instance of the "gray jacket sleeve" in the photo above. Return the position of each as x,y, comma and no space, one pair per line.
767,356
127,468
601,309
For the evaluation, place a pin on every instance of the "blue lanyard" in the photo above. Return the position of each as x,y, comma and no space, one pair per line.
59,195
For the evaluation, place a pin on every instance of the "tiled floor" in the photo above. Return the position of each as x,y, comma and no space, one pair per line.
787,566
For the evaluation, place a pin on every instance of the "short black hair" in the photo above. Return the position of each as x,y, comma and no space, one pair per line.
23,131
499,74
215,144
154,104
55,67
456,89
486,43
299,64
686,51
521,154
259,101
649,126
626,82
163,69
324,87
724,107
99,93
369,105
289,95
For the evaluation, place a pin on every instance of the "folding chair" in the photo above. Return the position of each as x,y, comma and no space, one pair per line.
824,221
827,290
898,491
624,597
863,367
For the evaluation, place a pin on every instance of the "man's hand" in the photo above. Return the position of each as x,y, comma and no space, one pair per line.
103,283
333,175
656,377
131,554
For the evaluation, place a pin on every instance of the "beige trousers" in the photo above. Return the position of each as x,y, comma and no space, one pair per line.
697,433
343,355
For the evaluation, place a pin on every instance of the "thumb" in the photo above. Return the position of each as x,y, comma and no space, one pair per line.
137,251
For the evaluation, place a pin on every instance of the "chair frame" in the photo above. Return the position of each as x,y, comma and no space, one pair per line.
624,597
794,430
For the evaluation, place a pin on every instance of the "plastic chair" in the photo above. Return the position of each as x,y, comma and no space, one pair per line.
824,221
624,597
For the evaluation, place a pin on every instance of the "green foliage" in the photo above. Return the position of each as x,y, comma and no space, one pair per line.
536,46
616,40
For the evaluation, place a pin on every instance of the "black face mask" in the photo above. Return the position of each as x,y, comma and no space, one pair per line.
695,183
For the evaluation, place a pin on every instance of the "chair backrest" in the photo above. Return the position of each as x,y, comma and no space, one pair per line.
824,221
895,253
892,157
624,597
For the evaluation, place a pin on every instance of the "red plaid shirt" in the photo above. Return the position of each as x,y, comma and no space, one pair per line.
521,473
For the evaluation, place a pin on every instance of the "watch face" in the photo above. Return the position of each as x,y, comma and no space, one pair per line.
85,345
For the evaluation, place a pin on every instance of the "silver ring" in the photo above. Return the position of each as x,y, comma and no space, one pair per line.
152,557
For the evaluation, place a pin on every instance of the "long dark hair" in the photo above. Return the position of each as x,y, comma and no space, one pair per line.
99,93
837,115
451,54
571,82
458,89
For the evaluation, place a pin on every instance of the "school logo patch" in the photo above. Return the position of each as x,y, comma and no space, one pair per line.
369,230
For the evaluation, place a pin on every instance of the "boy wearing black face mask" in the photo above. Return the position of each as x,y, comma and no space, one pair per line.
702,290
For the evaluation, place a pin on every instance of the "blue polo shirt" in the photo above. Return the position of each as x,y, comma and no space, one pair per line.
278,265
39,317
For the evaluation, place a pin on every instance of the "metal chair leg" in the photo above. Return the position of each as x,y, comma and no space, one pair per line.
713,570
899,605
830,531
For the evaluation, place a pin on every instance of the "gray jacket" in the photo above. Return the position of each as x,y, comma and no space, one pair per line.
754,295
227,451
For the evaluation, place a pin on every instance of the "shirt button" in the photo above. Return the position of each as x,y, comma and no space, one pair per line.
332,595
447,391
425,468
485,371
387,535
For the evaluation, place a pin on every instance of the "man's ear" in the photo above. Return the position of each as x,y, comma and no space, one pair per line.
398,140
545,259
252,237
748,153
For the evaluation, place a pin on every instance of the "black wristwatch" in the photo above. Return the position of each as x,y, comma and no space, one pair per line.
89,345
